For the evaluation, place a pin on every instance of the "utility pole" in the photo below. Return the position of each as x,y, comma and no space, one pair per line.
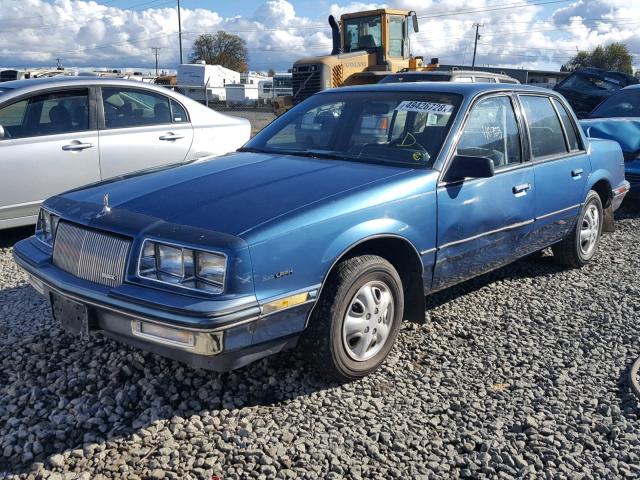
475,44
155,51
180,31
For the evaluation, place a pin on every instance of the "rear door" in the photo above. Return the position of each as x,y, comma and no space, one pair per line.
561,166
50,145
486,222
141,129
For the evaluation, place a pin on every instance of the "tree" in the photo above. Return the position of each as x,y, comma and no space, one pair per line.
271,72
614,56
221,48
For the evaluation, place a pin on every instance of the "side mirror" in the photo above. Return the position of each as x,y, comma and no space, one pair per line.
414,20
2,134
464,166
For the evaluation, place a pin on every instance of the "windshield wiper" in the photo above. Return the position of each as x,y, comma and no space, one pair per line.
254,150
317,154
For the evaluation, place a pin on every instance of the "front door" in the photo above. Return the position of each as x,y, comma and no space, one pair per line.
141,129
561,167
50,145
486,222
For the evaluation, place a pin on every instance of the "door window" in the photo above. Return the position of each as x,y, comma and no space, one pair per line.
396,35
463,79
134,108
47,114
492,131
178,113
545,131
569,127
485,80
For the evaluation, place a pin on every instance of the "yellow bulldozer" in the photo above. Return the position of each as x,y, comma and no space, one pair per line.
367,46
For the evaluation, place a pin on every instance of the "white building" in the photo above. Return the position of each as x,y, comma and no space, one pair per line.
194,79
252,78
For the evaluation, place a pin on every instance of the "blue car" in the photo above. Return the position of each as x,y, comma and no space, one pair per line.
618,118
328,228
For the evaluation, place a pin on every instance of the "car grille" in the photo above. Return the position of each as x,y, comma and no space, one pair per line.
305,84
90,255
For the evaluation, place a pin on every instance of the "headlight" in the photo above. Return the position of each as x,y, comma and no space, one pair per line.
183,267
46,226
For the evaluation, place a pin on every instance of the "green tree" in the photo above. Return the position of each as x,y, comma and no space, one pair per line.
221,48
614,56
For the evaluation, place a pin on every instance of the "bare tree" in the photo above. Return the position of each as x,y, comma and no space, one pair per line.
221,48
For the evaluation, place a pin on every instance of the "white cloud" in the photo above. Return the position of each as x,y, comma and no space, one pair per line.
88,33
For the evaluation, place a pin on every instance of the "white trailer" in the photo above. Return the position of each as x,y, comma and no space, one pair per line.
265,90
242,94
196,79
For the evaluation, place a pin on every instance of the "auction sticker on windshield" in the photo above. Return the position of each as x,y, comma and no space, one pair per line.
431,107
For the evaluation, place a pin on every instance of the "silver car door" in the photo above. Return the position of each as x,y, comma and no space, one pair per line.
141,129
50,145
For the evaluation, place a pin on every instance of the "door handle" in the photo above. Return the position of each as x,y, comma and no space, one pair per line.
74,147
170,137
521,189
577,173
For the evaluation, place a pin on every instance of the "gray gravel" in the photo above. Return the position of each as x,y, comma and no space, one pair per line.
520,373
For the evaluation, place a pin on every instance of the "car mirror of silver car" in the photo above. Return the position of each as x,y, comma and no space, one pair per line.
2,133
466,166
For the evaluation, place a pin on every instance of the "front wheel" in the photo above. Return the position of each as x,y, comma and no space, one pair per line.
357,319
580,247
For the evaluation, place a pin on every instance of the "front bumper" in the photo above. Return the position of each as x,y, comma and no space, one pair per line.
222,340
618,195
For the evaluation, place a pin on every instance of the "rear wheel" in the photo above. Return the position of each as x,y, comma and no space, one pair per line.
580,247
357,319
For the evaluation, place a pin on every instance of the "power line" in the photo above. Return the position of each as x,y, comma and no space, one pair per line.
89,20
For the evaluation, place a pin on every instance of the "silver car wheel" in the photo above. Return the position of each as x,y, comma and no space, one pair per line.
589,230
367,323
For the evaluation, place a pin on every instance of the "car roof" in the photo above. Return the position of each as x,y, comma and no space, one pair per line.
450,72
465,89
32,84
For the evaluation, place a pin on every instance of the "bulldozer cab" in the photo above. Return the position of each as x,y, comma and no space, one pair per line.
367,45
384,32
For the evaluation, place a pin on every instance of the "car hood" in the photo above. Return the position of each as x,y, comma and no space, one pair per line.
231,194
624,130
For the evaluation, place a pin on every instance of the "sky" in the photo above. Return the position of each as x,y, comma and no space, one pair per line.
121,33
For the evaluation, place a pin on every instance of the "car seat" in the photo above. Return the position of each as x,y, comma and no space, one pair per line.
60,119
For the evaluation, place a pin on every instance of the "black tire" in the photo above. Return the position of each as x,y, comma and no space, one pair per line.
323,344
569,252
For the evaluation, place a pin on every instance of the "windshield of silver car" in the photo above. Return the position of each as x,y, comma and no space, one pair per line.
379,127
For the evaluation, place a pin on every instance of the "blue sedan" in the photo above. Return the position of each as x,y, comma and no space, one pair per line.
618,118
329,227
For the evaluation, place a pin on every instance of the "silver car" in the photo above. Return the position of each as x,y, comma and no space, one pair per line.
61,133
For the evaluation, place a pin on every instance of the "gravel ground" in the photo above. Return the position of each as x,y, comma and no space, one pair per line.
259,118
519,373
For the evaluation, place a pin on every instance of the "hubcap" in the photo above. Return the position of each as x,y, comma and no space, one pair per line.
368,320
589,230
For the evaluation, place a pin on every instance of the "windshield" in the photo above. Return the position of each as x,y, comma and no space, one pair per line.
623,104
416,77
585,82
362,33
378,127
